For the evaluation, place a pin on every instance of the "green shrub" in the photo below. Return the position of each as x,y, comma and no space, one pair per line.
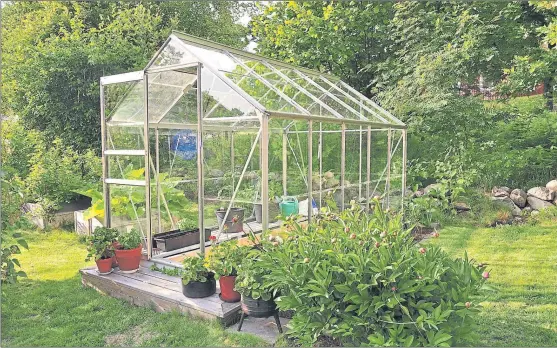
362,280
226,257
100,245
129,240
11,242
195,270
251,279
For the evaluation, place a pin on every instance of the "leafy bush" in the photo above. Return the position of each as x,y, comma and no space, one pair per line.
251,280
195,270
226,257
362,280
129,240
100,245
187,224
7,252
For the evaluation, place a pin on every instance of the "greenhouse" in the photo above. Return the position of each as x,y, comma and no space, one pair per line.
219,141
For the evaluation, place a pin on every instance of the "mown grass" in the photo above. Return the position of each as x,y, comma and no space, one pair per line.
522,311
51,308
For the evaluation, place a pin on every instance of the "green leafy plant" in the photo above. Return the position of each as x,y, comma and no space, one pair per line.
130,240
226,257
100,245
9,262
361,279
195,270
175,272
187,224
250,280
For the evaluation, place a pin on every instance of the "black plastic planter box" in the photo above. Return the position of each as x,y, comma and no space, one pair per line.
177,239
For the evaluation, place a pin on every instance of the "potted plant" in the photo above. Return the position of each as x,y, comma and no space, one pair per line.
187,234
197,280
257,300
224,261
234,221
128,252
100,247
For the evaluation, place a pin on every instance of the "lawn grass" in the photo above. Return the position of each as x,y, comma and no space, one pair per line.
51,308
523,265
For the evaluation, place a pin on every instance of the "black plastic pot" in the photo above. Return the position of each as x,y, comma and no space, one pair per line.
258,308
200,289
229,225
177,239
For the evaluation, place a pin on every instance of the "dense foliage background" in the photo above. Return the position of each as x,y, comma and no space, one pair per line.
421,60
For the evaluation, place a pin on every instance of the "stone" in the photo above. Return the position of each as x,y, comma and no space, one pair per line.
542,193
538,204
419,193
506,201
527,210
461,206
502,191
432,187
534,212
518,196
216,173
552,185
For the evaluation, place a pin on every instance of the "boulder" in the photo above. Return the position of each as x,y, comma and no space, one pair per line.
419,193
538,204
502,191
542,193
461,206
518,196
552,185
432,187
534,212
527,209
509,203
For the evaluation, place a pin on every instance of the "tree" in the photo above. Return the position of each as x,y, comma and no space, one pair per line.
55,52
347,39
539,64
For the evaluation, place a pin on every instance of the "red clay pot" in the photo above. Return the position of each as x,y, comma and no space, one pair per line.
104,265
227,293
128,260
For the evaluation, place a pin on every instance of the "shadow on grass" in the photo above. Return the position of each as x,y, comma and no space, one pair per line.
63,313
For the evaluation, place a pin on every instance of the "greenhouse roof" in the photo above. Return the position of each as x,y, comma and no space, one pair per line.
241,84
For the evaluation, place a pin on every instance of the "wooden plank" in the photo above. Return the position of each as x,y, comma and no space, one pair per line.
116,283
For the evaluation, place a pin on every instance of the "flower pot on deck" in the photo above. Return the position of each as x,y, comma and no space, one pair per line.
128,260
104,266
227,293
258,308
234,221
200,289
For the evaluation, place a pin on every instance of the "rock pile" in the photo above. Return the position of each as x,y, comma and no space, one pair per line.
531,201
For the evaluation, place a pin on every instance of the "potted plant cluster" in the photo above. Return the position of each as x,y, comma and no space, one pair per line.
100,247
128,251
234,221
187,234
197,280
224,260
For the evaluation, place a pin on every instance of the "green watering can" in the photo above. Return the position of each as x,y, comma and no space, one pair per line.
289,206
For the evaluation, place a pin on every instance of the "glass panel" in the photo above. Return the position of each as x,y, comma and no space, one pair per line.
378,162
354,170
297,161
331,161
220,100
126,167
124,136
124,102
166,89
371,106
172,54
395,191
127,208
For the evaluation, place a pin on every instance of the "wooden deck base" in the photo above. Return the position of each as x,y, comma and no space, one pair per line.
160,292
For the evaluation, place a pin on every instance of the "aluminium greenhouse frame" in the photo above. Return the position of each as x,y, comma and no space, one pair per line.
334,99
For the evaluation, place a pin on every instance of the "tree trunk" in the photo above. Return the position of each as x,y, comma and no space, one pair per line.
548,93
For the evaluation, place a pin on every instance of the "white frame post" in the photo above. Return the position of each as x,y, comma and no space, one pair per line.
264,147
404,155
200,154
147,168
104,159
310,170
342,163
368,168
388,178
284,162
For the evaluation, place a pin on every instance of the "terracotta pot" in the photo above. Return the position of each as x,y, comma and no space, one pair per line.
227,293
128,260
104,265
